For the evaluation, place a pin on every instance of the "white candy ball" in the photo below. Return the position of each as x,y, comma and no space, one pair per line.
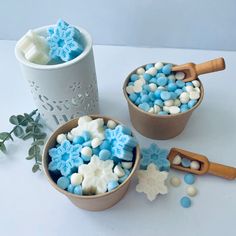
76,179
165,108
184,97
191,191
194,95
156,109
177,102
96,142
119,171
137,88
197,89
151,110
152,71
196,83
174,110
169,103
177,160
180,75
86,151
61,138
111,124
175,181
126,165
172,77
195,165
153,87
189,88
70,136
140,71
161,88
130,89
159,65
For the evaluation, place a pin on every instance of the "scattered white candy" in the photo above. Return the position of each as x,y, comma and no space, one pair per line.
197,89
119,171
169,103
130,89
184,97
111,124
194,95
195,165
86,151
180,75
172,77
96,142
161,88
140,71
156,109
159,65
175,181
138,85
152,71
189,88
153,87
174,110
177,160
177,102
196,83
191,191
151,110
76,179
126,165
70,136
165,108
61,138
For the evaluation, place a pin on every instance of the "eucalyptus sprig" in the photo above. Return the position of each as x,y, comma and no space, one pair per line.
26,127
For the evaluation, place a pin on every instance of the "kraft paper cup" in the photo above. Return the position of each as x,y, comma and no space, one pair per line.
94,202
154,126
63,91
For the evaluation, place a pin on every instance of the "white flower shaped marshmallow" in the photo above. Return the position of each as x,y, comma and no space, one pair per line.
97,174
152,182
94,127
35,48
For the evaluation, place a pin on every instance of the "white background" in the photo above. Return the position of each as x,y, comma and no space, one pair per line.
205,24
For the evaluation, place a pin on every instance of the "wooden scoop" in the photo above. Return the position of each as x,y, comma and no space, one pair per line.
226,172
192,70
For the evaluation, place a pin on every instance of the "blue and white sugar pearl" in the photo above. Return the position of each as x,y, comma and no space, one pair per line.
158,90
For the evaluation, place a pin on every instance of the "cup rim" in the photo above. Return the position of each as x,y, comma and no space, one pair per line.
84,197
27,63
154,115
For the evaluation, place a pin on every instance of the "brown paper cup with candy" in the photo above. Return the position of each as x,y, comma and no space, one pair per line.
158,126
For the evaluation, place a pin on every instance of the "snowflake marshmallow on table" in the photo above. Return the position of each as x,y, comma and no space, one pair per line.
152,182
97,174
65,158
155,155
94,127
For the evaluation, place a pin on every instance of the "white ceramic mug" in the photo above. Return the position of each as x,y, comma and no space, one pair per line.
63,91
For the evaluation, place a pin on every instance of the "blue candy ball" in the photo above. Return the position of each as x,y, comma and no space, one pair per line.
171,87
185,202
185,162
138,101
78,140
144,106
146,88
167,69
165,95
153,80
173,95
147,76
192,103
63,182
180,83
148,66
145,98
78,190
189,84
133,97
162,113
178,91
152,96
162,81
70,188
104,154
86,135
189,178
158,93
134,77
112,185
159,102
105,145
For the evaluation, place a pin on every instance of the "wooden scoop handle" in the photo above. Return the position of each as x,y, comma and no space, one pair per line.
226,172
210,66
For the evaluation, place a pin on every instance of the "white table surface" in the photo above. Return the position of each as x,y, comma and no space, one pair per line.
30,206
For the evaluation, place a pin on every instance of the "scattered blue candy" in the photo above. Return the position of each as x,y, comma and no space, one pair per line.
163,113
104,154
78,140
86,135
78,190
158,93
144,106
63,182
105,145
147,76
185,202
123,178
134,77
192,103
189,179
165,95
159,102
167,69
112,185
145,98
162,81
171,87
185,162
133,97
70,188
180,83
148,66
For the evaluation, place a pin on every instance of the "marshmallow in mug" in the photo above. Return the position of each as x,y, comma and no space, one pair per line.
158,90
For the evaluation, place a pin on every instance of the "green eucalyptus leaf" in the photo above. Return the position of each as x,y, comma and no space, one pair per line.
34,150
5,136
27,136
13,120
38,142
40,136
22,120
3,147
19,132
39,158
37,118
35,168
29,129
28,117
29,157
